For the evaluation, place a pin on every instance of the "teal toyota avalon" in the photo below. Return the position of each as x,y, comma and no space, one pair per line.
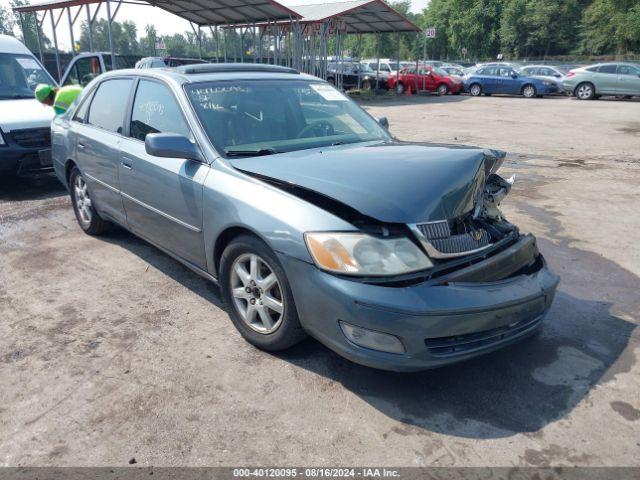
310,216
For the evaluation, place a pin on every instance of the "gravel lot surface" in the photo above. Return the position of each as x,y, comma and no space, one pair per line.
110,350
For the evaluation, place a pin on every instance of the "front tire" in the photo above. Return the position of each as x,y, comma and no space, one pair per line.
442,89
88,218
529,91
366,85
256,290
399,88
475,90
585,91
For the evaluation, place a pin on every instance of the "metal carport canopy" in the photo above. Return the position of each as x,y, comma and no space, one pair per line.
359,16
200,12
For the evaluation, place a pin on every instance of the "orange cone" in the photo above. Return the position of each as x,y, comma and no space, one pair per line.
408,90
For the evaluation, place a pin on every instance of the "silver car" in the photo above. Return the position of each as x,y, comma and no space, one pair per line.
308,214
544,72
588,83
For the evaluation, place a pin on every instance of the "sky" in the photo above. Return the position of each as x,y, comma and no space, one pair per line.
165,22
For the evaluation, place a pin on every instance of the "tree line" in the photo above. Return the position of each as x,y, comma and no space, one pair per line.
481,28
533,28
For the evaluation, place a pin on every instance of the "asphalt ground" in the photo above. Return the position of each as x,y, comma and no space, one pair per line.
112,351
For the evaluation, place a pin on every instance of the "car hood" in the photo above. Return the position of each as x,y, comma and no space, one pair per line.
393,183
24,113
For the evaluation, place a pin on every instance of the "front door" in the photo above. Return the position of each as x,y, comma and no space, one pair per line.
607,79
162,196
628,80
98,141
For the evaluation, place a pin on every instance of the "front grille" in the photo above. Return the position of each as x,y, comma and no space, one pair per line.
440,236
461,243
462,344
32,137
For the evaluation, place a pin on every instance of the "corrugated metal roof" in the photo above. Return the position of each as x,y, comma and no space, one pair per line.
360,16
201,12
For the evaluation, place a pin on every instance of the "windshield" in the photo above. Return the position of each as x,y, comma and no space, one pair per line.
19,75
244,118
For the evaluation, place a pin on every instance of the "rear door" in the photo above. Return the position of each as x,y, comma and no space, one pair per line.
162,196
489,79
628,80
98,139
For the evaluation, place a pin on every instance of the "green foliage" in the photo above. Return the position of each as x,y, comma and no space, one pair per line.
7,22
532,28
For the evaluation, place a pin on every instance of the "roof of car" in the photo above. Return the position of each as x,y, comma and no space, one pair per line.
213,72
9,44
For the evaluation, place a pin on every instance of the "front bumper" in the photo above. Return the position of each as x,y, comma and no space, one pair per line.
21,160
439,322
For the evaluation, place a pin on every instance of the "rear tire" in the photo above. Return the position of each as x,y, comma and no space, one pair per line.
86,214
585,91
399,88
366,85
273,325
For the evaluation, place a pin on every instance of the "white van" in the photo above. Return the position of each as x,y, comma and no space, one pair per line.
25,124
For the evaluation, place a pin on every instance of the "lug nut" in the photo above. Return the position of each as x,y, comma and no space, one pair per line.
253,301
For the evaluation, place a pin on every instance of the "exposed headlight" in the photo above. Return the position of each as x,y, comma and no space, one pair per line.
2,142
362,254
547,84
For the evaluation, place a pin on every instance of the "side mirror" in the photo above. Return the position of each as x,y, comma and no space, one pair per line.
514,75
384,122
172,145
557,75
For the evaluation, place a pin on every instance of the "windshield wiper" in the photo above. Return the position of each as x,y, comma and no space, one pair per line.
258,152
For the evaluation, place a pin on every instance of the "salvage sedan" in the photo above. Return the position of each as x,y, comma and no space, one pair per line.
308,214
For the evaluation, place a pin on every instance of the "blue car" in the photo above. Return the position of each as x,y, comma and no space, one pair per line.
505,80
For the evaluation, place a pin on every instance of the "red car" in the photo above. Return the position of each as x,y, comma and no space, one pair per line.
430,79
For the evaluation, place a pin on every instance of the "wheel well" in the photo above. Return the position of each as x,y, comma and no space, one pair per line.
224,239
474,84
67,169
528,85
441,84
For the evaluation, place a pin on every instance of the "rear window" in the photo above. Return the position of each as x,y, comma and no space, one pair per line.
109,105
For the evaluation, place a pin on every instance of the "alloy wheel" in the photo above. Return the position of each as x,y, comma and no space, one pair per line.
443,90
585,92
476,90
257,294
82,200
400,89
529,91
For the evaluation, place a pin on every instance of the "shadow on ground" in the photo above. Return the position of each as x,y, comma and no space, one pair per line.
394,101
39,187
521,388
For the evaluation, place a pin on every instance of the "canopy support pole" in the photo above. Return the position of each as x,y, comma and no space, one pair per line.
73,41
39,35
377,60
89,29
55,44
417,60
109,19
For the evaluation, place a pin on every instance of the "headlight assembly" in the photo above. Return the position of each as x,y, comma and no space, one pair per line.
361,254
2,142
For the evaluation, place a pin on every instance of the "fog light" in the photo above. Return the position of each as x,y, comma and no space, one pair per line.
362,337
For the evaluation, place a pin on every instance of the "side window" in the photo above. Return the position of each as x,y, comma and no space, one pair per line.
592,69
83,71
109,104
627,70
81,113
608,69
384,67
156,110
